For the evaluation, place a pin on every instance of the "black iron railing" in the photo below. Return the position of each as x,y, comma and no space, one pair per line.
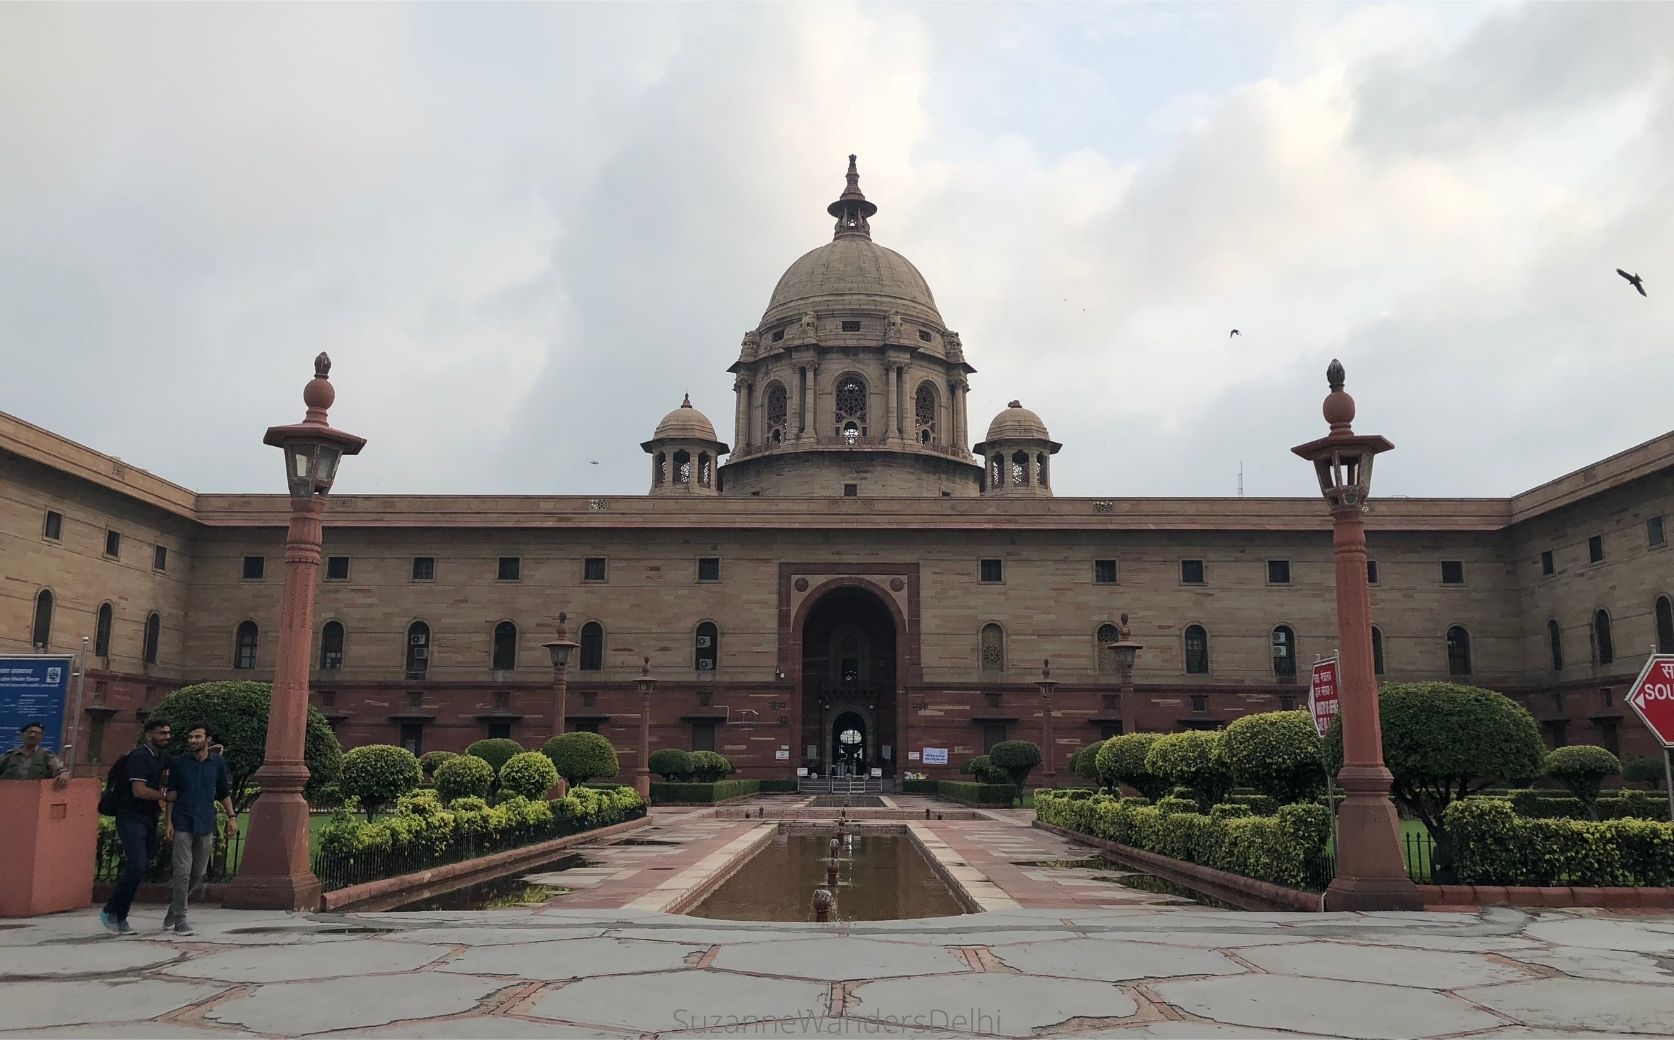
223,861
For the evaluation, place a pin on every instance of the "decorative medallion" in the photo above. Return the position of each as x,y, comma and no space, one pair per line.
896,584
802,584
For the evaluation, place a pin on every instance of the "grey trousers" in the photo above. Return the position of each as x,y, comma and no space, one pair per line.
191,862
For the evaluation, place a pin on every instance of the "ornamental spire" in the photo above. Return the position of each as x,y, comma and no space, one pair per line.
851,208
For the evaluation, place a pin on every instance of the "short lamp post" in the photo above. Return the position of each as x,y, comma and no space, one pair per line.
1371,872
1047,684
560,649
642,775
276,873
1126,650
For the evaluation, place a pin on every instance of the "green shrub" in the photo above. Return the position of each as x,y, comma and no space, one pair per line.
464,776
1192,759
496,751
1537,804
1001,794
1582,770
1085,763
1495,846
1122,761
1278,753
1172,804
236,714
377,774
672,764
329,796
708,767
1638,805
1648,771
1229,811
919,786
580,757
431,759
702,793
1016,759
973,764
527,774
1258,804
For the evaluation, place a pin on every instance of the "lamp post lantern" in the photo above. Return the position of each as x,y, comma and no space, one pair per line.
560,649
642,775
1126,650
1047,684
1371,872
276,873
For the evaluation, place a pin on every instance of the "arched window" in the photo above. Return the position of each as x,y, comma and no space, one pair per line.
1284,652
1555,637
505,647
1377,650
1665,625
682,467
851,408
244,645
997,471
659,469
418,649
1197,650
706,649
924,412
41,634
101,631
1602,643
993,648
1101,644
706,469
1040,469
1458,651
153,636
1020,469
778,413
592,647
331,646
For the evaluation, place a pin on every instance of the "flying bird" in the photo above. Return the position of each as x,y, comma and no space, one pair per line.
1233,333
1634,280
592,462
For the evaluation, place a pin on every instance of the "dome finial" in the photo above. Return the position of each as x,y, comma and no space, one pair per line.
851,208
686,401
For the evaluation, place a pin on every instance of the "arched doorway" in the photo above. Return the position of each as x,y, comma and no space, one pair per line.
849,674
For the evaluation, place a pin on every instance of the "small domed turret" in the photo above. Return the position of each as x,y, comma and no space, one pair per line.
1017,454
684,453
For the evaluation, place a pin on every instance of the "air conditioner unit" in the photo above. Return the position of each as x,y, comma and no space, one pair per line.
705,641
421,653
418,640
705,665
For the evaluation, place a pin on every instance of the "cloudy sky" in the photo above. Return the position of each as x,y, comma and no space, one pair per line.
523,232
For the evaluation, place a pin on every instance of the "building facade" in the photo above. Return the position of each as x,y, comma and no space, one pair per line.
848,583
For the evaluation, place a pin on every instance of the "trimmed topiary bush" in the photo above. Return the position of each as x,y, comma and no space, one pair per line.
378,774
1582,770
708,767
974,766
496,751
1192,759
1278,753
1085,764
527,774
1016,759
672,764
580,757
1122,761
236,714
431,759
464,776
1648,771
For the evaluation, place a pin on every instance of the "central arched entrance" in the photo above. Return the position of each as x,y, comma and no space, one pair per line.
850,683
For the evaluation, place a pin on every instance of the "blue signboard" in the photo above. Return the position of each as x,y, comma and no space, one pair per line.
34,689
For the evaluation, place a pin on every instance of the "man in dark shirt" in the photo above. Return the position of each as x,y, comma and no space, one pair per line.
136,823
197,780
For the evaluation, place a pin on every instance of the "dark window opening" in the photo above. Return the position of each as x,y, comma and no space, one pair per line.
499,730
331,646
153,636
851,490
418,650
1104,572
113,544
1191,572
1371,572
412,737
1200,703
1453,572
511,568
244,645
1458,651
1287,702
709,568
505,647
1653,533
593,569
53,529
159,558
1284,652
1665,625
101,631
1197,650
1595,549
706,647
424,568
592,647
337,568
1377,650
255,568
1278,572
1555,638
851,326
992,733
1603,644
992,570
703,736
924,335
1546,562
95,738
1608,736
41,634
778,335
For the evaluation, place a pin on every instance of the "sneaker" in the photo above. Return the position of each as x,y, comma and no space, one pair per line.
123,928
182,928
108,921
169,921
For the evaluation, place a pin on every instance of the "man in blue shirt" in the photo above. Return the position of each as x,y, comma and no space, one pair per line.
197,780
136,822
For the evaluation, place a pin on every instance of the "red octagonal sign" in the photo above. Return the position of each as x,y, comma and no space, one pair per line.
1652,697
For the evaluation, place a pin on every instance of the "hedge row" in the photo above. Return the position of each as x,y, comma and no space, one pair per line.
968,793
719,791
1286,849
1493,845
1537,804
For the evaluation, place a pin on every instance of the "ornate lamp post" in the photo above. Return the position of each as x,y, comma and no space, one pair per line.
1126,650
560,649
276,873
1371,872
1047,684
642,775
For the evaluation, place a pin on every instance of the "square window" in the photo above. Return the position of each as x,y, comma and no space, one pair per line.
851,490
499,731
1546,562
593,568
1200,702
1104,572
1453,572
1595,549
1287,702
1191,572
337,568
709,568
1278,572
254,568
511,568
53,529
992,570
1653,533
113,544
424,568
1371,572
851,326
778,335
924,335
159,558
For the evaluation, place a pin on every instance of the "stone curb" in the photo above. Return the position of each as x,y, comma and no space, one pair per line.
1437,896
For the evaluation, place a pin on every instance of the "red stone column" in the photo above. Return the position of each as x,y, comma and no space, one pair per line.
1048,747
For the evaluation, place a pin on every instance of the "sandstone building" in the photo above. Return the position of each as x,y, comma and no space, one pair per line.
850,580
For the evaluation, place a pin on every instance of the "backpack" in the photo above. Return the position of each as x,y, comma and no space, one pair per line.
114,796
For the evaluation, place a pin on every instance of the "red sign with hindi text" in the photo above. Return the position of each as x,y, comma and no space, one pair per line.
1322,694
1652,696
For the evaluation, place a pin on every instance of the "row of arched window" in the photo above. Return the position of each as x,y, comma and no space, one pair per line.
1602,638
1020,471
104,620
683,472
851,410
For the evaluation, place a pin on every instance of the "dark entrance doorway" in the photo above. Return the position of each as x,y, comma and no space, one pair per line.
849,684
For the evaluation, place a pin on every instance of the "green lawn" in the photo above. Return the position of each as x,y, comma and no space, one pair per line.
1416,830
315,822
